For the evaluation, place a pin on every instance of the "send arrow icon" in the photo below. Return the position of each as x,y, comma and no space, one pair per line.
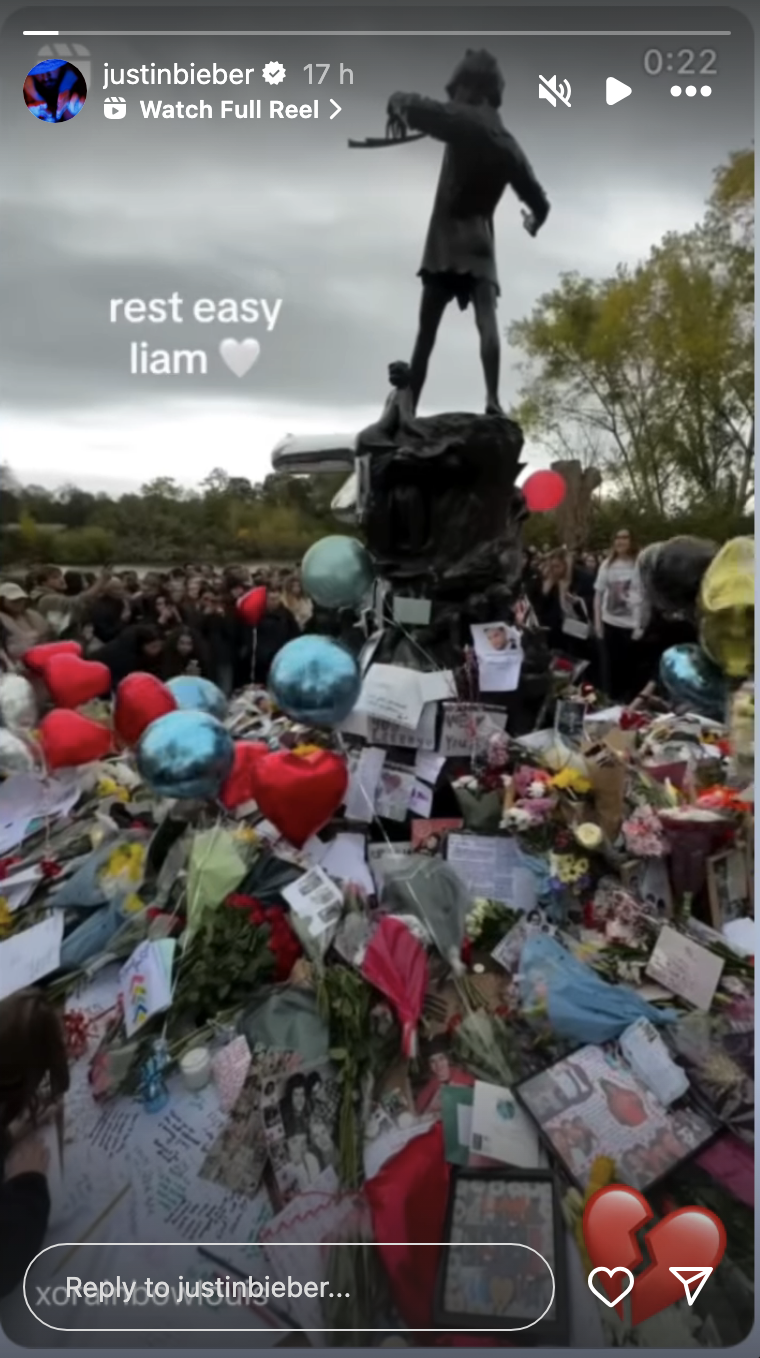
693,1283
616,90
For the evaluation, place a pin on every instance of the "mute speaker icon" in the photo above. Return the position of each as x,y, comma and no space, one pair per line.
549,89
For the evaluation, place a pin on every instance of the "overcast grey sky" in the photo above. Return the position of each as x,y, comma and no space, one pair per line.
94,210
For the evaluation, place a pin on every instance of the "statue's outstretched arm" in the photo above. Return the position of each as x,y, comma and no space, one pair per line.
445,122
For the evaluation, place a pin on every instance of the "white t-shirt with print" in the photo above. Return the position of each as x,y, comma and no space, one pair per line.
616,583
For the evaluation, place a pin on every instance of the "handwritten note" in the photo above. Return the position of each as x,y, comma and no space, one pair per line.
491,866
28,956
114,1129
392,693
467,728
390,733
685,968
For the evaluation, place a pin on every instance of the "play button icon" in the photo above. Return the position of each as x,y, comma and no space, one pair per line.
616,90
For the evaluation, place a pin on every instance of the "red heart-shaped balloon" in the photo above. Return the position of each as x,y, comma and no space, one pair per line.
69,739
73,681
691,1240
238,787
38,657
140,699
253,605
299,793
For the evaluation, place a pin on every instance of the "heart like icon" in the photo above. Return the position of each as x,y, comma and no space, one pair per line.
610,1274
240,355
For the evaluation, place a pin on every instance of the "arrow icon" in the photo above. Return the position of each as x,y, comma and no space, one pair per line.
696,1276
616,90
337,110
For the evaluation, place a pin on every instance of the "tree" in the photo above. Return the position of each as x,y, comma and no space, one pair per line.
162,488
649,375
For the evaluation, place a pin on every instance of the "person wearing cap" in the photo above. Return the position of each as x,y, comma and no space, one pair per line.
23,626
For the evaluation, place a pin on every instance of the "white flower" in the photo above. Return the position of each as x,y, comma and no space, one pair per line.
537,788
588,835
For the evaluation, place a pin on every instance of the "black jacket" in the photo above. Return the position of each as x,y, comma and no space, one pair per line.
274,631
124,655
24,1213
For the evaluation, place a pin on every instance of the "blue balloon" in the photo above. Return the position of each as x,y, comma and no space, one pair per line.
315,680
185,754
691,680
193,694
337,572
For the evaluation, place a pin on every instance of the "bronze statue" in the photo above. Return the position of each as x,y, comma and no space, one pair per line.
481,159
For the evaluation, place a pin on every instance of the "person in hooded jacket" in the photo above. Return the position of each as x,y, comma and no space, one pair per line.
137,648
32,1060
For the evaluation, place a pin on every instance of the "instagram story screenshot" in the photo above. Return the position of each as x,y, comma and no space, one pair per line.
377,678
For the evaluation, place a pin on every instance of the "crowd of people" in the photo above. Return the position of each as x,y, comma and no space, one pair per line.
593,606
181,622
185,621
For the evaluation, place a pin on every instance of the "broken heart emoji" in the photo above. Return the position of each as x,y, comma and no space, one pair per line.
240,355
690,1238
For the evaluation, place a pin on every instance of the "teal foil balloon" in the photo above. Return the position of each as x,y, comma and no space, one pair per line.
337,572
315,680
193,694
692,681
185,754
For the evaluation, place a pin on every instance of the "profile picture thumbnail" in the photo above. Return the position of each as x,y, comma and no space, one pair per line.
55,91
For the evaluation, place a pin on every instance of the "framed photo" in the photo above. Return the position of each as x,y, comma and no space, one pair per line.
502,1266
590,1103
728,886
299,1112
569,720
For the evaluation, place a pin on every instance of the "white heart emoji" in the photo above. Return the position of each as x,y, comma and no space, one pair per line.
240,355
610,1274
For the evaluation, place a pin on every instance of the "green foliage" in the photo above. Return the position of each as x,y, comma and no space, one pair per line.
649,375
228,519
83,547
221,967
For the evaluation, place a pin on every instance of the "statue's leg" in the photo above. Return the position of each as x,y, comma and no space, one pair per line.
433,304
484,302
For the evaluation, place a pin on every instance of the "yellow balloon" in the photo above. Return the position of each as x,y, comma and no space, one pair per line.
727,608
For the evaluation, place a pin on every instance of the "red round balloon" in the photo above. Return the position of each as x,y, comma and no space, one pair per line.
253,605
140,699
38,657
73,681
544,491
239,786
68,739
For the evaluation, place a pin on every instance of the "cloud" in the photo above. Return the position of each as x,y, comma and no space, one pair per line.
272,212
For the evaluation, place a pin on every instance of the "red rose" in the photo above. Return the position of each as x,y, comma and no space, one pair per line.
6,864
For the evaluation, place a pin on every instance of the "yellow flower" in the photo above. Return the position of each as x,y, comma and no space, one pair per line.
571,780
303,750
588,835
133,905
125,865
6,917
